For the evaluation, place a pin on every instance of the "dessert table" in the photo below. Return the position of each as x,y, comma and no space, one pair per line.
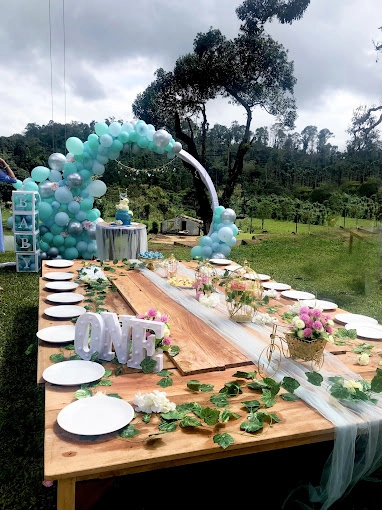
119,241
207,355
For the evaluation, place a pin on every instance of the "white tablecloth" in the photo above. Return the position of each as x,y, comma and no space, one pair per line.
118,242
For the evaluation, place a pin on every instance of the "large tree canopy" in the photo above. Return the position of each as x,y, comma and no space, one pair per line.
252,70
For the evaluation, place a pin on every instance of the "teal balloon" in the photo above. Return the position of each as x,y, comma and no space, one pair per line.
85,174
82,246
40,173
71,253
70,241
44,246
58,240
56,229
45,211
133,136
73,207
74,145
81,215
55,176
196,251
47,238
91,215
86,204
101,128
31,186
63,195
97,168
115,128
234,229
10,221
92,248
93,141
18,184
123,137
62,219
205,241
143,142
106,140
116,146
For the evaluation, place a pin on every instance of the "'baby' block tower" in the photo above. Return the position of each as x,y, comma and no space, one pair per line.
25,206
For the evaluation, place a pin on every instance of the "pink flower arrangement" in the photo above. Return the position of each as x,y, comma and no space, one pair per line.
154,315
311,324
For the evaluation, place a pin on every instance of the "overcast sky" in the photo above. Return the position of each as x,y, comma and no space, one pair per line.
84,60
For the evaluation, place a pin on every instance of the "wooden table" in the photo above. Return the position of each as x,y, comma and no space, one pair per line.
119,241
68,458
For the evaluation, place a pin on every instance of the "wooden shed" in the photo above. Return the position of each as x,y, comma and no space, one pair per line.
182,224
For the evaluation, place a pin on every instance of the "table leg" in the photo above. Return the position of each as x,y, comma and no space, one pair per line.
66,494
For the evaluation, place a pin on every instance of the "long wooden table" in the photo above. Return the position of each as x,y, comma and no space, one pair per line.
205,356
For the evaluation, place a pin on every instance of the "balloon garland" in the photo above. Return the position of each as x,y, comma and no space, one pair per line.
71,183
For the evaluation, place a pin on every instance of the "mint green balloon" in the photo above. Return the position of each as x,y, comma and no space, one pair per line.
116,146
101,128
45,211
92,215
69,168
123,137
40,173
56,229
18,184
74,145
31,186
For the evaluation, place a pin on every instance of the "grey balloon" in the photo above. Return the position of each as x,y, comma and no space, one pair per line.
228,216
92,231
74,180
75,228
45,189
56,161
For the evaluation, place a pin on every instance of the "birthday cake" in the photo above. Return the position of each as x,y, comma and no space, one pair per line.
123,213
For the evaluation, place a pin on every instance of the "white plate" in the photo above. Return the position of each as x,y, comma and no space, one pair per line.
59,263
221,262
232,267
58,276
57,334
366,330
64,311
95,415
61,286
70,373
319,303
345,318
297,294
276,286
65,298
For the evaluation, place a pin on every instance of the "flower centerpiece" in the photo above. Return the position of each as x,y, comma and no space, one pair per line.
243,292
154,315
307,334
205,279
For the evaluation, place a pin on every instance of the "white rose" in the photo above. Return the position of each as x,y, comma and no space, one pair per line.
166,332
330,322
300,324
363,359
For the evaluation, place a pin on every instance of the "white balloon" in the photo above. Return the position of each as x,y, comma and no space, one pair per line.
161,138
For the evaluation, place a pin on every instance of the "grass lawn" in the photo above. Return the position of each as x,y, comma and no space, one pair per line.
338,266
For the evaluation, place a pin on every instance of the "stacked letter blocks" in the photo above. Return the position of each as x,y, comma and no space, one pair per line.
25,205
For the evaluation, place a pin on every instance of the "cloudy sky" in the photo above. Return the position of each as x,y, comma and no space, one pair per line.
84,60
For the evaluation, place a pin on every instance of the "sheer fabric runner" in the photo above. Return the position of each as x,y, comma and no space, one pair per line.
357,450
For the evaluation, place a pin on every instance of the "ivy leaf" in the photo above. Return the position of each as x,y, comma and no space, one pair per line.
245,375
232,388
193,385
376,382
104,382
340,392
251,426
267,398
219,401
257,385
69,347
146,418
164,373
264,415
189,421
210,416
226,415
290,384
173,350
57,358
113,395
314,378
167,426
272,385
289,397
107,373
129,431
206,387
251,404
223,440
172,415
75,357
165,382
148,365
188,407
82,394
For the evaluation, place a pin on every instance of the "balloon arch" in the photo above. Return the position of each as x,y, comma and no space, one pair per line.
71,183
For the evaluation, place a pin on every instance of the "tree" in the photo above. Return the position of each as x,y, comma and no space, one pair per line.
251,70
